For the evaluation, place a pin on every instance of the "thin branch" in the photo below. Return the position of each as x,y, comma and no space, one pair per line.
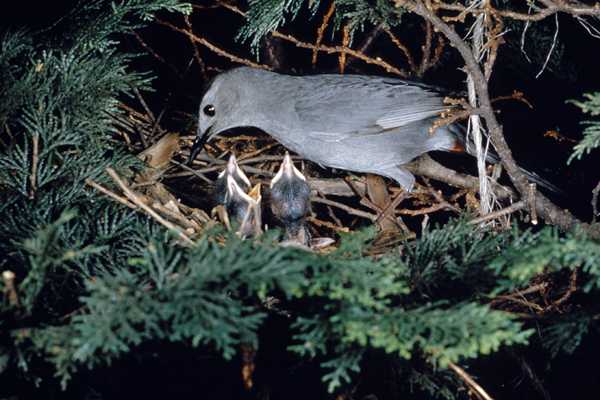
348,209
462,374
321,31
154,54
197,39
552,7
339,49
595,194
188,223
519,205
345,44
403,49
34,164
426,49
192,171
373,34
110,194
545,208
199,60
289,38
10,291
554,40
136,200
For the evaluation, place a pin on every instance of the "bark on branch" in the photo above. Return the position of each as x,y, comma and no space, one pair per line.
547,210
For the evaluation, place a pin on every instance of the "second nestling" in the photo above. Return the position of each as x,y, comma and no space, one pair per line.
290,201
233,204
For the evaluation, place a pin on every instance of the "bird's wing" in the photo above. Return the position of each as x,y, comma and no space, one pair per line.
337,107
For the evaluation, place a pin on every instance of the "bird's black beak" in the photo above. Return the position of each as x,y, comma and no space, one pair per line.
198,146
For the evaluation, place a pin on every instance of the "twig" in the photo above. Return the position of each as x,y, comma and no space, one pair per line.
329,225
34,165
469,381
375,32
326,49
348,209
321,31
554,40
572,288
531,203
8,277
176,216
197,39
345,44
545,208
110,194
148,112
540,287
192,171
403,49
199,60
519,205
154,53
252,154
528,370
515,95
339,49
475,127
426,49
552,7
424,211
426,166
136,200
595,194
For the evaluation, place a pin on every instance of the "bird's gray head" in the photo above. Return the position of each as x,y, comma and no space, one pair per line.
229,102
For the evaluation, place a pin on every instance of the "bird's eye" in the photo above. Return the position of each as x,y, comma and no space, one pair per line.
209,110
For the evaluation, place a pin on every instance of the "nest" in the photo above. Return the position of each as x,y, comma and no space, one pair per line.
180,196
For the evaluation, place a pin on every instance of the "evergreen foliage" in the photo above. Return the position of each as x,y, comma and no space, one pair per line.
591,134
264,16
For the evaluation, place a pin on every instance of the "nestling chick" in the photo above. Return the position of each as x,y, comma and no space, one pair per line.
244,209
290,201
236,173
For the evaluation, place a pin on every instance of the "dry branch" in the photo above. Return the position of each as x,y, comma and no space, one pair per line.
34,165
544,207
137,201
471,383
321,31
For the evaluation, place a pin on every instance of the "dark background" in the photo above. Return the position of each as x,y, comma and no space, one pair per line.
171,371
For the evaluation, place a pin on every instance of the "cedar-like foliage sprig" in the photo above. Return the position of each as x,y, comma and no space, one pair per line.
591,134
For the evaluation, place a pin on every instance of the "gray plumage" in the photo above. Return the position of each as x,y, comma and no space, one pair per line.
352,122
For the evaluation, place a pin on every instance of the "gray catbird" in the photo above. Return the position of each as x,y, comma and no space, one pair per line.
290,201
352,122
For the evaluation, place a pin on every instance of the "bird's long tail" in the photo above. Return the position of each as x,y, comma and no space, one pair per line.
493,158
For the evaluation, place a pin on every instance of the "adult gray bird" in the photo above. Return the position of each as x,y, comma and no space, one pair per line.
352,122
